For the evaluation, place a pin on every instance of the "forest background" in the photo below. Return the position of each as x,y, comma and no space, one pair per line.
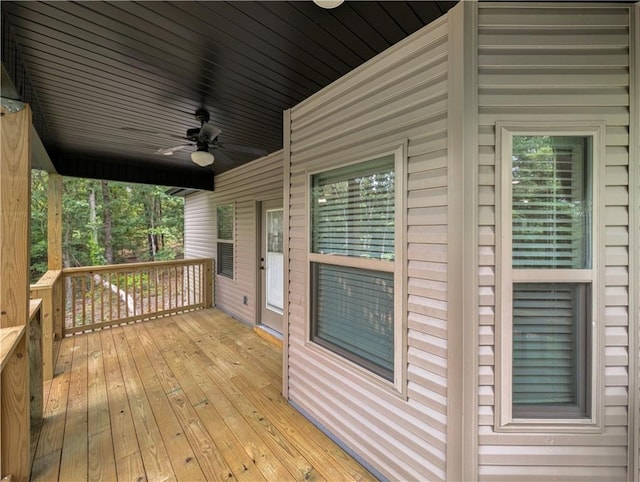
105,222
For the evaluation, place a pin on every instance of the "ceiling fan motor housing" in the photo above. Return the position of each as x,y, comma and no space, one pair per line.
202,115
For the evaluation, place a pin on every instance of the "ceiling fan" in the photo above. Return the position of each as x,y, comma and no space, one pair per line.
205,139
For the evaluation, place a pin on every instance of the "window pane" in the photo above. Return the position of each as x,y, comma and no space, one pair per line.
225,222
274,231
353,210
550,330
225,259
551,195
353,315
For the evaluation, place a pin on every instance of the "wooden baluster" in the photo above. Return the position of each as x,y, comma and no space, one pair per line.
117,275
83,300
73,302
182,284
170,288
92,286
148,297
134,287
101,288
158,288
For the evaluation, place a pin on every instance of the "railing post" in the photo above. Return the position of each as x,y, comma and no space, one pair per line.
58,307
15,170
208,283
47,289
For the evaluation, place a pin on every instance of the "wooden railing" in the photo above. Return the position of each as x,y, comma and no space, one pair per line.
99,296
49,290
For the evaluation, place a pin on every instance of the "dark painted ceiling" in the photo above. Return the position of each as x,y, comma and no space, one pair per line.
110,83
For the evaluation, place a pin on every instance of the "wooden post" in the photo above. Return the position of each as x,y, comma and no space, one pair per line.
54,249
34,344
46,289
15,175
208,283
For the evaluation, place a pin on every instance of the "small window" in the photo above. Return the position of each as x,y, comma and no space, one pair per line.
353,252
547,278
225,240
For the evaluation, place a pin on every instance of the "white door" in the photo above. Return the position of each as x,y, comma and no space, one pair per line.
271,266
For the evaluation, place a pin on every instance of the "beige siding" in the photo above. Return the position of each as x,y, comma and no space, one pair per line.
557,63
199,225
399,96
245,187
635,228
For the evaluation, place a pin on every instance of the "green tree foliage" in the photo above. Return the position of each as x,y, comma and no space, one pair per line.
128,222
38,224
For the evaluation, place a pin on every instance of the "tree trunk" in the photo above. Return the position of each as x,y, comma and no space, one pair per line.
92,215
106,203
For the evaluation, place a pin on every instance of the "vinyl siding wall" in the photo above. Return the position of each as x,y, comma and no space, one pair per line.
199,231
557,63
199,225
244,187
399,96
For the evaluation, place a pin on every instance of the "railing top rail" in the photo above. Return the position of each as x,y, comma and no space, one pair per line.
133,266
47,280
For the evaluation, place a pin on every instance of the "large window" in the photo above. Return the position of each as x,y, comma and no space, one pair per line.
225,240
547,274
353,263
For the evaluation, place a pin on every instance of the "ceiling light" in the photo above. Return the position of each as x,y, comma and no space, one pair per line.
328,3
202,158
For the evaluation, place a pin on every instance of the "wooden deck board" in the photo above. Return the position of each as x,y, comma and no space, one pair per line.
181,455
73,464
154,455
189,397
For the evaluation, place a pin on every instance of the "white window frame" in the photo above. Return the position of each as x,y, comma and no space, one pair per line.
226,241
506,276
398,267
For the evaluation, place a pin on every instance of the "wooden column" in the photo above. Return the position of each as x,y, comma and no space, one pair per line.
54,222
15,173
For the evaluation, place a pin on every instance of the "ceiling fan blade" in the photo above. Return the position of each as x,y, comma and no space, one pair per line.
168,151
243,149
221,157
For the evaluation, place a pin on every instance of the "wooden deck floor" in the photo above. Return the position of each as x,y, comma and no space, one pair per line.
189,397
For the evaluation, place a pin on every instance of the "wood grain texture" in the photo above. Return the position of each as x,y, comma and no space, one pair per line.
15,172
15,413
46,289
34,331
189,397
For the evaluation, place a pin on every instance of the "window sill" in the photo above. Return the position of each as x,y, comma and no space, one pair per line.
550,425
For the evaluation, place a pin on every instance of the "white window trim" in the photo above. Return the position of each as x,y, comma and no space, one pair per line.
398,266
231,241
506,276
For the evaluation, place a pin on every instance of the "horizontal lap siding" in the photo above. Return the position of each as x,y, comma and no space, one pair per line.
199,225
400,95
561,63
244,187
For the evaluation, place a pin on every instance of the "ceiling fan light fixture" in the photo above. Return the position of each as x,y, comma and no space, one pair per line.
202,158
328,3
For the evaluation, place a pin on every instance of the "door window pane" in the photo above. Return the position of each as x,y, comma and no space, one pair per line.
274,262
